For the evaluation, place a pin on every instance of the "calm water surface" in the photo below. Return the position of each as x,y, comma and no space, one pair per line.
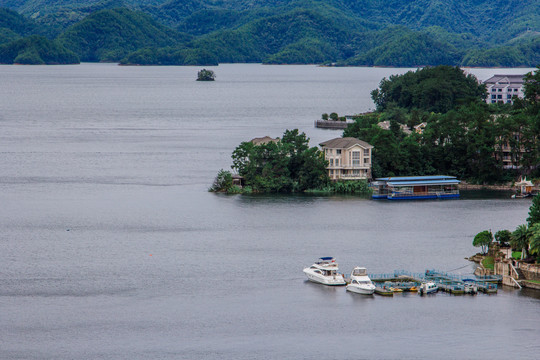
113,249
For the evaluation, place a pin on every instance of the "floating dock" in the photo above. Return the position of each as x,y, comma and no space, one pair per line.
401,281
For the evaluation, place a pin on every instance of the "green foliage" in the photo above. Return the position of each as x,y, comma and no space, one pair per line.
513,55
534,240
288,165
35,50
520,239
534,211
483,240
223,182
324,116
516,255
489,262
503,237
110,35
170,56
434,89
375,32
206,75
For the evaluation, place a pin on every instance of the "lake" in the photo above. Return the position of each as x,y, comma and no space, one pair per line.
112,248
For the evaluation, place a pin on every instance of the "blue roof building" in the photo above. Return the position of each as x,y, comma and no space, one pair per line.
416,187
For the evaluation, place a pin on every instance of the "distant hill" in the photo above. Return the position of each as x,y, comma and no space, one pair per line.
13,26
347,33
109,35
36,50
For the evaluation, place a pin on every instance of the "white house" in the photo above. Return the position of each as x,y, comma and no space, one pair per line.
502,88
348,158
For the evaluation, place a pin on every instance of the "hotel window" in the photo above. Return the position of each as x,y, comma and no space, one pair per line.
356,158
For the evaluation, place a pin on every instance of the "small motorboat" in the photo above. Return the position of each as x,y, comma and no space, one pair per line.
428,288
360,282
325,271
470,288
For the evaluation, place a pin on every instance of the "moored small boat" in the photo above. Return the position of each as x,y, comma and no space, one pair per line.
360,282
325,271
428,288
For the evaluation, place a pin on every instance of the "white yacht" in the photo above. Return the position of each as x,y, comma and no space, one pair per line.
428,288
360,282
325,271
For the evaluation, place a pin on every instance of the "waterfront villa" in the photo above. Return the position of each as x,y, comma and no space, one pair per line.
416,187
502,88
348,158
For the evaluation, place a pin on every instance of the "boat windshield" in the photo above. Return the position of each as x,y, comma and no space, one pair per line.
359,272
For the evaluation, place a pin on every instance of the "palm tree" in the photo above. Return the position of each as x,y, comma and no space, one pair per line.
520,239
535,239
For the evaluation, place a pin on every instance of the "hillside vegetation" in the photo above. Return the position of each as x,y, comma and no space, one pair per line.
343,33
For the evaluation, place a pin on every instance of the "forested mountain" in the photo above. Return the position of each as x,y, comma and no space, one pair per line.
346,32
36,50
109,35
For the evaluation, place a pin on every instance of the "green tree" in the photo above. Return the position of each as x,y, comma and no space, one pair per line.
534,240
324,116
520,239
206,75
288,165
503,237
334,116
483,240
222,182
437,89
534,211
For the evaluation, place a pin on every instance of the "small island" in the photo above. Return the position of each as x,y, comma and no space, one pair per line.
206,75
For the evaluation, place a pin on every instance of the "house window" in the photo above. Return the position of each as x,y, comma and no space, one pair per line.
356,172
493,89
338,151
499,96
337,162
331,162
515,90
500,90
366,160
493,96
509,96
356,158
493,101
366,152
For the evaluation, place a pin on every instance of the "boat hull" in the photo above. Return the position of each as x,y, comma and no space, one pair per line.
336,280
360,289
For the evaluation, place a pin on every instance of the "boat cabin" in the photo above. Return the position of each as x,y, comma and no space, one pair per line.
416,187
358,271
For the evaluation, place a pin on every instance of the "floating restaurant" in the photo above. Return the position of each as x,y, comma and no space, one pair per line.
416,187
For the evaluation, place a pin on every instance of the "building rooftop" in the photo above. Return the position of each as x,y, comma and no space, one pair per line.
263,140
505,79
345,143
